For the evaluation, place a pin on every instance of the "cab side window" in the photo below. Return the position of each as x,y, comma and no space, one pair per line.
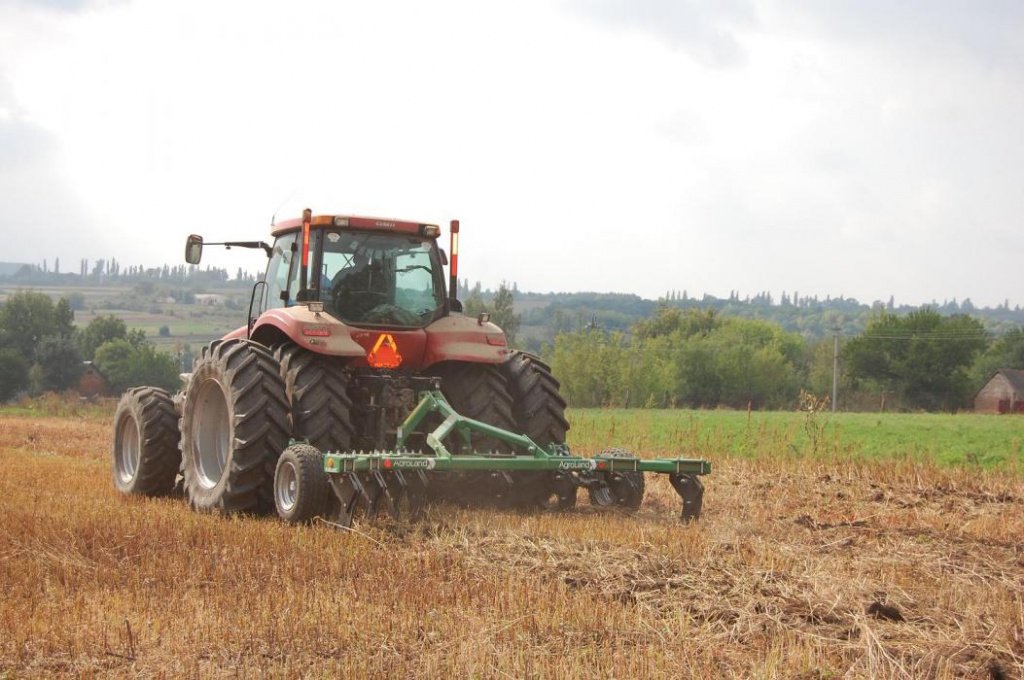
282,270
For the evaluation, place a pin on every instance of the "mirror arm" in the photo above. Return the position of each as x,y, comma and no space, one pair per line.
244,244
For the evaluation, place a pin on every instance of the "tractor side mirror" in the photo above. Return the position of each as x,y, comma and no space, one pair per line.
194,249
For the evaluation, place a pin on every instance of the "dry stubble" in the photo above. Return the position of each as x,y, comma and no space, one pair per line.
798,569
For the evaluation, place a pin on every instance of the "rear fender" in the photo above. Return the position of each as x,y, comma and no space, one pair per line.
316,331
461,338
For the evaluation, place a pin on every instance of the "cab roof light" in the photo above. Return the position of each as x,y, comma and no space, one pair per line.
430,230
340,221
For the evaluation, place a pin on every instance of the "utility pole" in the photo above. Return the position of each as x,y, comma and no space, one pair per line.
835,367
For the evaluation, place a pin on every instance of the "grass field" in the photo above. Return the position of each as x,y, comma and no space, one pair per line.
985,440
850,562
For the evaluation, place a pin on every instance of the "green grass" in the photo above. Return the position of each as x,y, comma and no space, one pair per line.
962,439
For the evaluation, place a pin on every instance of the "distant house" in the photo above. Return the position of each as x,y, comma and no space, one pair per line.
92,383
210,299
1003,393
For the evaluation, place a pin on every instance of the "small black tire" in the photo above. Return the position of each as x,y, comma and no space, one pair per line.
145,452
317,389
301,487
621,489
234,425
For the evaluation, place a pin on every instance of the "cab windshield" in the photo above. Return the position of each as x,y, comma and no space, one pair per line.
387,279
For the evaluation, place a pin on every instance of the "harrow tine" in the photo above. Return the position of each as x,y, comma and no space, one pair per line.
393,487
416,493
348,496
369,493
691,490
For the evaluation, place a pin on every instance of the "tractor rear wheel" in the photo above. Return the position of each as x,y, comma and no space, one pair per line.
145,452
317,388
539,413
234,426
300,484
480,392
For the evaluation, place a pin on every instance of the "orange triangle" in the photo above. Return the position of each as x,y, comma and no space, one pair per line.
385,353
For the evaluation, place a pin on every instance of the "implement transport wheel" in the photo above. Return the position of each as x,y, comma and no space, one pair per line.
317,388
300,484
234,426
145,452
539,413
480,392
622,489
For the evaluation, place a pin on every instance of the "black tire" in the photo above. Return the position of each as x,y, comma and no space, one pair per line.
477,391
622,489
234,425
145,452
537,406
480,392
539,412
300,484
317,389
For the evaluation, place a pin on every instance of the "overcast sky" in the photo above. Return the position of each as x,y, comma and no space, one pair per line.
858,148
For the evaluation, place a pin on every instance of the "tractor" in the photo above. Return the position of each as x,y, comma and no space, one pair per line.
357,384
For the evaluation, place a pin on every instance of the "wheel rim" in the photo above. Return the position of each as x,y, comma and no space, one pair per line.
128,450
286,486
211,433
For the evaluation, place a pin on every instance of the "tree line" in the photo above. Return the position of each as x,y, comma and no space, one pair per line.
700,358
41,350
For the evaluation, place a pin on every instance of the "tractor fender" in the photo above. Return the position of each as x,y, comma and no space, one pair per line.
462,338
316,331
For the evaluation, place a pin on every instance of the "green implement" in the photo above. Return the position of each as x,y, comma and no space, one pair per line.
398,480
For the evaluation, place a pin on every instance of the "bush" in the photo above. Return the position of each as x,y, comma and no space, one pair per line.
60,363
13,373
126,365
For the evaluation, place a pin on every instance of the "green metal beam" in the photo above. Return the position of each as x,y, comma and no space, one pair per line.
531,457
364,462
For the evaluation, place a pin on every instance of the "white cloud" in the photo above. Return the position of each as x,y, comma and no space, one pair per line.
659,146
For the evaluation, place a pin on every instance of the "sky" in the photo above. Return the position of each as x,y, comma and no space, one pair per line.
861,148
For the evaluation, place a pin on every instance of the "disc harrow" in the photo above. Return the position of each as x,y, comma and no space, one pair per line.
401,482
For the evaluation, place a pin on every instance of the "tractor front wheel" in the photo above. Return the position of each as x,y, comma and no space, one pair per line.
234,426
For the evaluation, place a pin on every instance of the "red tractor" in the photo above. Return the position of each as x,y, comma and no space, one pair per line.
348,335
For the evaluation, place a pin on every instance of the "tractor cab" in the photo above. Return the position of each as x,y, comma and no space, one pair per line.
362,276
363,271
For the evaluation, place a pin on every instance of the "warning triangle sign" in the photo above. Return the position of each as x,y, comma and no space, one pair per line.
385,353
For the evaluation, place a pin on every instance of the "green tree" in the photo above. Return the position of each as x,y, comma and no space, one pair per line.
13,373
126,365
100,330
922,356
59,361
27,317
1005,352
668,320
504,314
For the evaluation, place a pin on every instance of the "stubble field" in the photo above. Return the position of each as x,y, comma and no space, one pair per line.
802,566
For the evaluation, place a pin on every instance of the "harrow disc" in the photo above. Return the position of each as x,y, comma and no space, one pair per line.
622,489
